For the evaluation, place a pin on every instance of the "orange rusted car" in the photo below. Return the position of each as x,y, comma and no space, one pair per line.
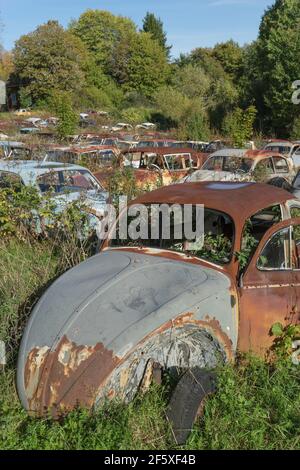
153,165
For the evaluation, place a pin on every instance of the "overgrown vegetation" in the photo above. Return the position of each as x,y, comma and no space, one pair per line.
61,104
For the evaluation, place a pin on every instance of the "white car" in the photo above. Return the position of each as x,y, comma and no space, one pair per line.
246,165
36,122
289,149
121,126
146,126
66,183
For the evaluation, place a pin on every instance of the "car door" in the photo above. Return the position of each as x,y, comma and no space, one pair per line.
295,313
176,167
264,170
267,292
282,168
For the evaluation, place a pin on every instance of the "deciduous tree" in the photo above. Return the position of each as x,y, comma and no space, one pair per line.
48,59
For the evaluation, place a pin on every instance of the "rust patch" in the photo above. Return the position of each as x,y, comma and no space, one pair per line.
69,376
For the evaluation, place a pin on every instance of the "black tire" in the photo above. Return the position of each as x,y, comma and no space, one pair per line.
187,399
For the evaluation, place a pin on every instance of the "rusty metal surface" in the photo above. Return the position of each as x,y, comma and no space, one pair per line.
104,312
239,200
267,297
149,177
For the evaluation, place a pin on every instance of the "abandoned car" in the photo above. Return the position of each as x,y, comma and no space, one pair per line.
154,166
146,126
105,326
286,148
65,183
90,156
150,142
121,126
246,165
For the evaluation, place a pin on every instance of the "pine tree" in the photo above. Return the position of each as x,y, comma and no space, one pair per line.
154,26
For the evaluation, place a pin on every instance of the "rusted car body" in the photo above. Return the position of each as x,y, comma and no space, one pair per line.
120,141
151,165
156,142
246,165
10,150
91,156
286,148
98,330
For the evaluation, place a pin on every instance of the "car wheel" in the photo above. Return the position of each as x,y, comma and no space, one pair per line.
173,352
187,401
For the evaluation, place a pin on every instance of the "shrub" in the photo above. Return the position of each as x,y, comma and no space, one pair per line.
295,134
25,98
135,115
238,125
61,103
195,128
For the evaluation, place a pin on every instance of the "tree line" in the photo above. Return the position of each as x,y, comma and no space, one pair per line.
104,61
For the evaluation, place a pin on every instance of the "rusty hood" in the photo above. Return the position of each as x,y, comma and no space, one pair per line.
91,317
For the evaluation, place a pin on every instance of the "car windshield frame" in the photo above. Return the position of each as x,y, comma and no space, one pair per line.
248,162
61,188
152,244
282,149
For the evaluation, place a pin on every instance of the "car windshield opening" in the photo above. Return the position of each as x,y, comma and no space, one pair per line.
215,244
228,164
178,162
67,181
283,149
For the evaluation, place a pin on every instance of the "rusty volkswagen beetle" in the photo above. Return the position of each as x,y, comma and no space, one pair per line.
100,328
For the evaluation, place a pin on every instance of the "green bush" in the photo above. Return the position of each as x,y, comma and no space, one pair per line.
135,116
295,134
238,125
61,104
25,98
195,128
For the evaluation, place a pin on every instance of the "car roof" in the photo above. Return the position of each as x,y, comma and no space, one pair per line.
83,148
239,200
282,143
161,150
27,169
246,153
10,143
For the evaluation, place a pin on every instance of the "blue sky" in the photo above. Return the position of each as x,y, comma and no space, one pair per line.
189,23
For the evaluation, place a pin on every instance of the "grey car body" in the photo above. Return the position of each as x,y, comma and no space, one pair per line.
242,165
97,328
28,173
289,149
114,296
